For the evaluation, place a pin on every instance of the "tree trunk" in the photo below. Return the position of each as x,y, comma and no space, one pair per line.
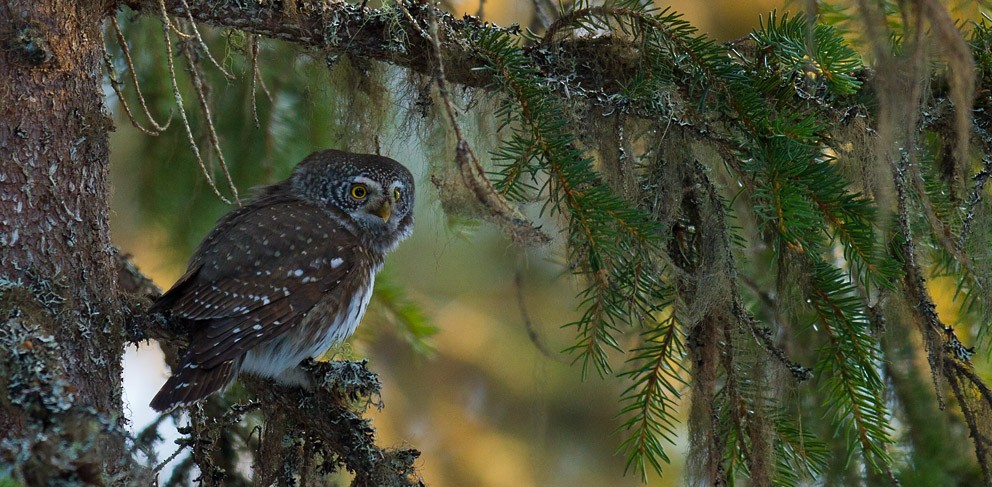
62,334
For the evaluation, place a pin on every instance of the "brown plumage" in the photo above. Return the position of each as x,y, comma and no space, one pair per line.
281,279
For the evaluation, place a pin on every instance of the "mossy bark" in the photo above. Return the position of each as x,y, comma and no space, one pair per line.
62,332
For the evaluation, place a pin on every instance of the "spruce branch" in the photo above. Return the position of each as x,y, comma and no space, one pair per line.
649,404
604,231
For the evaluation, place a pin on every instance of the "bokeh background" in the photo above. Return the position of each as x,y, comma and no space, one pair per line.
493,401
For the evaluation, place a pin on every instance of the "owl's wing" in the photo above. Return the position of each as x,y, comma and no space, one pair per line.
257,275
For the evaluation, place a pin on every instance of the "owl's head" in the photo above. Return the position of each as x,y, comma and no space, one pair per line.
370,195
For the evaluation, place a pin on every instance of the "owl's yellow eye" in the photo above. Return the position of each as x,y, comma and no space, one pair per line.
359,191
396,194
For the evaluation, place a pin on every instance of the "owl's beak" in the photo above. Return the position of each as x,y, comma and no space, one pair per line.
384,210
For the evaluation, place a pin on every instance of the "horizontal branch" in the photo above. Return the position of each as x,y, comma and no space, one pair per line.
399,35
396,34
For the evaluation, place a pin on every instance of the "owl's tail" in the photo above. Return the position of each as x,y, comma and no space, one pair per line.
192,383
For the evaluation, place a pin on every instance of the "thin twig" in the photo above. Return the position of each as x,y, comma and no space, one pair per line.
938,228
268,142
765,297
116,85
170,25
974,198
925,309
145,439
203,45
258,81
253,50
265,88
166,27
762,335
535,337
604,10
961,369
981,449
182,446
119,34
200,89
519,228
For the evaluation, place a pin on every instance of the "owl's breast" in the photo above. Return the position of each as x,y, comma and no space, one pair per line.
336,317
333,318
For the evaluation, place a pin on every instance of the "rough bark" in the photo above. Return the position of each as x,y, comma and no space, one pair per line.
62,325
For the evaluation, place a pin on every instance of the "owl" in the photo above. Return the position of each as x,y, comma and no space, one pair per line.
281,279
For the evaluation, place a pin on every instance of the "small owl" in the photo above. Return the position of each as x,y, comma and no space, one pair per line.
283,278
